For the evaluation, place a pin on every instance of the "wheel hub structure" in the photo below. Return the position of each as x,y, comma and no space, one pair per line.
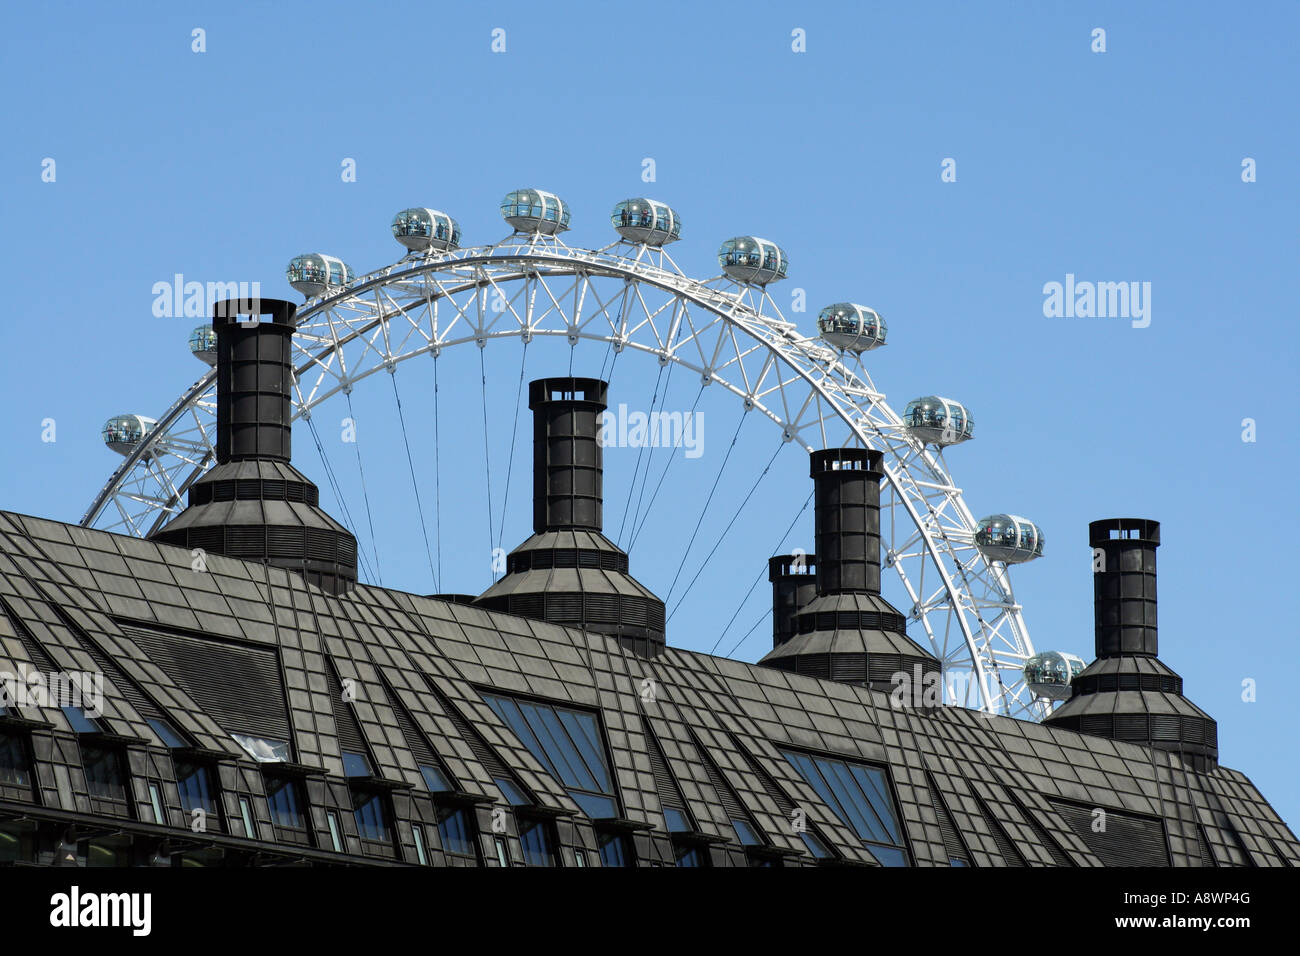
634,297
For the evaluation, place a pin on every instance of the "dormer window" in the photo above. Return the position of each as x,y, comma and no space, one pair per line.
194,781
859,794
569,744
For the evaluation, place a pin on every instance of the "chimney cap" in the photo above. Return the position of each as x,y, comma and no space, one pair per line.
862,460
229,310
791,565
543,391
1124,529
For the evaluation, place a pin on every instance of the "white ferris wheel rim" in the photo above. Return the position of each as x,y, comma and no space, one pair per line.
735,308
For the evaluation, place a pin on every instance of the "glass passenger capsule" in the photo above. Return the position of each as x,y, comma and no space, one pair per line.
853,327
938,421
647,221
1049,674
315,273
423,229
123,432
203,344
752,260
534,210
1009,538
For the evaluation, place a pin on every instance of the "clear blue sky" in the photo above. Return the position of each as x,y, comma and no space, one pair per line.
1122,166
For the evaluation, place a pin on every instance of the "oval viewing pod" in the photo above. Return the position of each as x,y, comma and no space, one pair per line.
203,344
938,421
1049,674
316,273
857,328
422,229
1009,538
752,260
537,211
123,432
646,221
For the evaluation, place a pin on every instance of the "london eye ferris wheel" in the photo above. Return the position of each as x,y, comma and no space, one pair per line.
631,298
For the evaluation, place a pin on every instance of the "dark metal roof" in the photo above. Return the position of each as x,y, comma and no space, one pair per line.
261,644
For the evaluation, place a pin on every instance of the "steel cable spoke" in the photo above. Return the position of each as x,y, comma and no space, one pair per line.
668,381
348,520
514,436
487,460
777,550
717,544
663,474
637,467
437,478
415,484
365,494
705,510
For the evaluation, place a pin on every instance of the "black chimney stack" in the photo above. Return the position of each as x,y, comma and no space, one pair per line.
1128,693
1124,586
848,632
568,572
794,585
846,502
254,381
253,504
566,453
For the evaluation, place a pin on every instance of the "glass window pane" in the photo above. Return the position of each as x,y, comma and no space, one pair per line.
690,856
282,797
596,807
569,744
80,722
613,849
852,800
417,832
582,731
263,749
155,801
508,711
888,855
454,831
573,771
814,845
13,762
514,796
860,796
676,821
434,779
745,833
371,814
536,841
872,782
195,788
355,765
166,733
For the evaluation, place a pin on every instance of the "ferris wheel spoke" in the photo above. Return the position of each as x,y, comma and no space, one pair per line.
705,509
415,484
636,468
487,457
649,509
777,549
650,458
514,434
722,536
333,482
